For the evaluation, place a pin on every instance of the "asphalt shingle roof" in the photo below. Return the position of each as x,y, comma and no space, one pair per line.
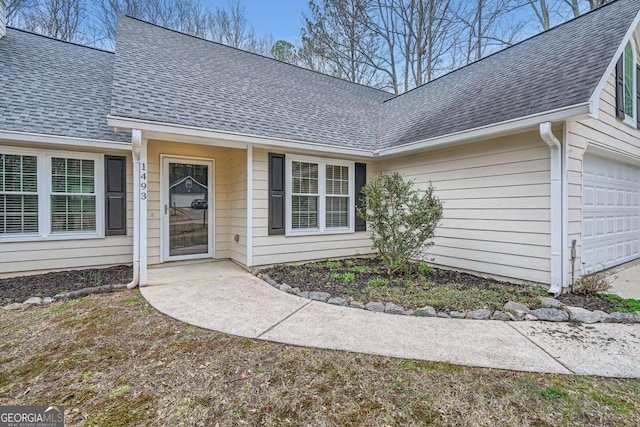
55,88
558,68
161,75
58,88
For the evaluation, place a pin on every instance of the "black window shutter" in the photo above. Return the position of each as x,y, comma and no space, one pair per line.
620,88
638,96
115,195
361,180
276,194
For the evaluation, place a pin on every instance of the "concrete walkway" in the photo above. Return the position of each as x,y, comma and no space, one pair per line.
223,297
626,281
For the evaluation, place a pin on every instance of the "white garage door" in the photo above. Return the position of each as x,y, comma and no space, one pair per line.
610,213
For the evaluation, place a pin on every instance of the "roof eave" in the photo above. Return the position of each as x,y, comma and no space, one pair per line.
595,96
62,141
160,130
493,130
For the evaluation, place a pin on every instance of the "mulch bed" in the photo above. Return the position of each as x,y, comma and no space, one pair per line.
19,289
590,302
324,277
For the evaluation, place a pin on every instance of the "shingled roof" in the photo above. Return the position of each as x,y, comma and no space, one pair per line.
55,88
165,76
558,68
160,75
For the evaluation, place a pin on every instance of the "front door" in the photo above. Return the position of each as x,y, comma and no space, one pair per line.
187,208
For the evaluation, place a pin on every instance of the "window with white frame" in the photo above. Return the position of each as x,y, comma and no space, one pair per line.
18,194
49,194
320,196
629,82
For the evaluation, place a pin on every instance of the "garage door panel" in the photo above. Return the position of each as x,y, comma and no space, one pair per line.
610,213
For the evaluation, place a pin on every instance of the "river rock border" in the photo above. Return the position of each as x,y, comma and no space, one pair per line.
552,310
38,301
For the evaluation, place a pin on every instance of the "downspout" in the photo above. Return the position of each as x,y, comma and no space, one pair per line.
556,207
136,148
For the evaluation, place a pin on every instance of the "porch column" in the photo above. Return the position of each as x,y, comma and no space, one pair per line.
144,196
249,205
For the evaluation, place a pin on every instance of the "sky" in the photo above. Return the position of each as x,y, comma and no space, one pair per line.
282,18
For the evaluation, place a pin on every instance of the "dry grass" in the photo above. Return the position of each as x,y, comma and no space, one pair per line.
112,360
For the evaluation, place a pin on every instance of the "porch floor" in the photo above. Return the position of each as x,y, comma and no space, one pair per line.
223,297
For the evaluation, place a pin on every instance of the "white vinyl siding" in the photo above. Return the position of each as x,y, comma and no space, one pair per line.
60,252
605,133
495,197
278,249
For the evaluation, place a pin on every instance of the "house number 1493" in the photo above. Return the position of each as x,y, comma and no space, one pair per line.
143,182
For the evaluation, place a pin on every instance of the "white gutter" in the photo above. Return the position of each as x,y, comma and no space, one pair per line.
556,207
238,140
38,138
136,148
490,130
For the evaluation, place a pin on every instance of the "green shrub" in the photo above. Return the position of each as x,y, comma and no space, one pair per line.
348,278
425,270
401,219
378,281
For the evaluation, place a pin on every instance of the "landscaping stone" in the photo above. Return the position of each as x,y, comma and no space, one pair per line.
33,301
636,317
426,311
14,306
499,315
530,317
337,301
284,287
550,302
603,316
304,294
513,317
47,300
294,291
269,280
457,315
582,315
443,315
319,296
516,306
617,317
357,304
391,308
408,312
482,314
551,315
378,307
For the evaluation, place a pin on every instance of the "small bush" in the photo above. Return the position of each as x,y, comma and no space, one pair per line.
401,219
378,281
594,283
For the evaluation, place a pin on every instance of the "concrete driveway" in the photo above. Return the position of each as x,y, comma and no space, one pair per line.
627,281
223,297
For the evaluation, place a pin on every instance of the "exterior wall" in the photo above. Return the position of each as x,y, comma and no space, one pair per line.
225,190
19,258
496,205
285,249
238,205
607,132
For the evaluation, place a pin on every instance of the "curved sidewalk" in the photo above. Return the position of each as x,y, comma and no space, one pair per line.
223,297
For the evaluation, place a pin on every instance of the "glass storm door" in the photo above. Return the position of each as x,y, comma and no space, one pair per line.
188,208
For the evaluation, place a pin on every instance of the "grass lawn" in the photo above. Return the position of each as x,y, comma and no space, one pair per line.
365,280
112,361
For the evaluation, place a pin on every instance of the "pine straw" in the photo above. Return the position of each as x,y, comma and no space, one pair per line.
112,360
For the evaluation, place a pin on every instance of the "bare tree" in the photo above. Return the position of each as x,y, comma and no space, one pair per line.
230,26
341,34
62,19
